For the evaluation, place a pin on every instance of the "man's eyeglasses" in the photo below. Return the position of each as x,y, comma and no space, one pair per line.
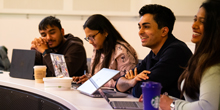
91,38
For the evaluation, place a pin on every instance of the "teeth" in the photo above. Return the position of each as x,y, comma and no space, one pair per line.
143,37
196,34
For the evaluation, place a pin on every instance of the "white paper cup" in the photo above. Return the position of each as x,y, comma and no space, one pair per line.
39,73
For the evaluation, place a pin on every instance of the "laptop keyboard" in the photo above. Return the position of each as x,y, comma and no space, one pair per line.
123,104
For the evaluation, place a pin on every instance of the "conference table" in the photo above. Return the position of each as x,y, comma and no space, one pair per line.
67,99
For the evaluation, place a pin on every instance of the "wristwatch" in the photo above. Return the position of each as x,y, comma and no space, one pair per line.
47,51
172,105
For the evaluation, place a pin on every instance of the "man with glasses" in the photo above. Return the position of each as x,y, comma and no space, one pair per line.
53,40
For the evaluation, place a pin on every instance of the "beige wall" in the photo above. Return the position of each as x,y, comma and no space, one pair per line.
18,29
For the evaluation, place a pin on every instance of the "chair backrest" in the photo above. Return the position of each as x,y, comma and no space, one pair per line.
4,61
139,60
88,64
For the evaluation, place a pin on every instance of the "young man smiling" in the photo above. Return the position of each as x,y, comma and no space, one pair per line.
168,55
53,40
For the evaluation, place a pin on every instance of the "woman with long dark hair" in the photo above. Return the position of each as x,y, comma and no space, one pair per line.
110,49
200,82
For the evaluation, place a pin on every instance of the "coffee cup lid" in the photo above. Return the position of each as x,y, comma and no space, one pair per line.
151,84
40,66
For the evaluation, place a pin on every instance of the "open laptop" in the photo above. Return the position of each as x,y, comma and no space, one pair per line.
91,86
22,64
59,65
132,105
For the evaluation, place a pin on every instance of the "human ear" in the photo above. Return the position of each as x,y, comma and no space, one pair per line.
62,31
165,31
105,33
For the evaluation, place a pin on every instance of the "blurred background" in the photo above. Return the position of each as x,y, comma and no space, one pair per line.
19,19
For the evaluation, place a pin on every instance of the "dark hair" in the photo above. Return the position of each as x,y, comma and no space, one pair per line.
207,52
102,24
51,21
163,16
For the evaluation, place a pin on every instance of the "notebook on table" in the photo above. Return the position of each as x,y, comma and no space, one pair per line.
132,105
22,64
91,86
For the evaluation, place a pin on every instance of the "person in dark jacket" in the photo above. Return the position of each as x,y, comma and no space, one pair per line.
168,55
4,61
53,40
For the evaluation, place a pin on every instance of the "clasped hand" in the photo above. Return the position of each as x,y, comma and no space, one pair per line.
39,44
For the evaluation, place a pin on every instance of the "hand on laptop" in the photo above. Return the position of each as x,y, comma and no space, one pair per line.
80,79
83,79
39,44
75,78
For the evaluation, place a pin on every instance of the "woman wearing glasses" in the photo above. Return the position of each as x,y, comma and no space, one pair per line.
110,49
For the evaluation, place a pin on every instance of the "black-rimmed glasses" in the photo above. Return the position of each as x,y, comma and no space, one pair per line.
91,38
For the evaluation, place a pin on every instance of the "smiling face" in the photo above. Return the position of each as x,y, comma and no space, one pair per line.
149,33
198,26
97,38
53,36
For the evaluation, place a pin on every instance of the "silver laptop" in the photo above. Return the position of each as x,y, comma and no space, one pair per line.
91,86
123,104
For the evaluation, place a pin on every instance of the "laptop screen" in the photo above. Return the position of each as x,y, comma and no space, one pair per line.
103,95
97,81
22,64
